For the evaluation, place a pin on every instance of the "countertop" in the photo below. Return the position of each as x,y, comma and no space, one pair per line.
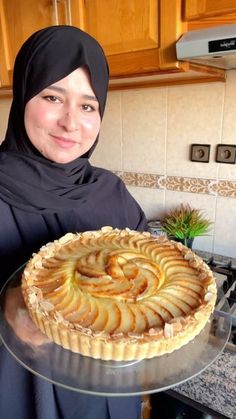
216,386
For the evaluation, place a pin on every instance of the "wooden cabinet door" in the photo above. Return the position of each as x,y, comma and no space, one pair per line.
201,9
126,30
18,20
138,36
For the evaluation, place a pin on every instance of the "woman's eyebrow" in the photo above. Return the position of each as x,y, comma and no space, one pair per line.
90,97
62,90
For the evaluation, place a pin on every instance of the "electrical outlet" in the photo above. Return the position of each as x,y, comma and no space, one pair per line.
200,152
226,153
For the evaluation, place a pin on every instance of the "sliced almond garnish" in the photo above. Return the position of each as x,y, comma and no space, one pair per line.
208,296
168,330
46,305
66,238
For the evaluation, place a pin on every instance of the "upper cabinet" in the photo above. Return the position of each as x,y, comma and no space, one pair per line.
202,9
18,20
138,36
201,14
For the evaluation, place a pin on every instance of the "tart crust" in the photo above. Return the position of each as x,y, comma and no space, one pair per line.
118,294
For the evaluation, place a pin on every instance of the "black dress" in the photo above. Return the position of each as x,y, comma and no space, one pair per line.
23,232
23,395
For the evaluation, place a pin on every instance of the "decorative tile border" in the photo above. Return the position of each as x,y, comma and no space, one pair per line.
182,184
226,188
145,180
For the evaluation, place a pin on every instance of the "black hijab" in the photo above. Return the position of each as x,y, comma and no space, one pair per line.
41,200
46,57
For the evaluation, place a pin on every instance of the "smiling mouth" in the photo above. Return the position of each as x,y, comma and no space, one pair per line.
64,142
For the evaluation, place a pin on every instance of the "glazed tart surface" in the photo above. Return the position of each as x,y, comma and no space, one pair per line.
118,294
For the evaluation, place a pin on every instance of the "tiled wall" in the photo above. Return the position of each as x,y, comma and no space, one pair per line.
146,137
4,111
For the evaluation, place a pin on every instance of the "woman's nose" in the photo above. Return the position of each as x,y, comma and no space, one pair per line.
69,121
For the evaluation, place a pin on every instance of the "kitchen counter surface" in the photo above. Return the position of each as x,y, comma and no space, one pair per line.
215,387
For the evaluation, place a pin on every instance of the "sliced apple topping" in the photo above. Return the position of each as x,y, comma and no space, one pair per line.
118,284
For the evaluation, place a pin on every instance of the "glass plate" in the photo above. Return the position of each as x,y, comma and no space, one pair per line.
86,375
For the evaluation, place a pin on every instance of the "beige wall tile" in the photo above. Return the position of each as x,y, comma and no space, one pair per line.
229,120
150,200
225,227
194,116
108,153
4,112
144,130
228,171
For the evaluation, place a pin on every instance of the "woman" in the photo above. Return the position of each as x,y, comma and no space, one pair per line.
48,188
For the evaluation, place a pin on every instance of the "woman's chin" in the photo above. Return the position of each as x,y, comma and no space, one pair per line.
62,158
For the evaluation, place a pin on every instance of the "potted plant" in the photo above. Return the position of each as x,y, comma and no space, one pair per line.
184,223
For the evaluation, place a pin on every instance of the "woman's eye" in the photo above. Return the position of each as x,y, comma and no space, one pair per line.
53,99
88,108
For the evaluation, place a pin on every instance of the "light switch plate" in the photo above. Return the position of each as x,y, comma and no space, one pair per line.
200,153
226,153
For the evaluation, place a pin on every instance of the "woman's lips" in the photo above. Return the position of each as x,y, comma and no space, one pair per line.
63,142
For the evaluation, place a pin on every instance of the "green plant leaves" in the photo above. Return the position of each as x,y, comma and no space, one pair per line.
185,222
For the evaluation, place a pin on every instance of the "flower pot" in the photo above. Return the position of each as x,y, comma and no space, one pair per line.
187,242
155,228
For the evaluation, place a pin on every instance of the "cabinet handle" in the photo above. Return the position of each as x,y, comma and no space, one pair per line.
55,12
68,12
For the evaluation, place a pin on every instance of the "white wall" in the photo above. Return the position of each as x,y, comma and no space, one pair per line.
146,137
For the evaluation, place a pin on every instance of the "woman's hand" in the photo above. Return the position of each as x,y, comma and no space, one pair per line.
17,316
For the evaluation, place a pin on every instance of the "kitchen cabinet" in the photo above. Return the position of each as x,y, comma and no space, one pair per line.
201,9
18,20
207,13
138,36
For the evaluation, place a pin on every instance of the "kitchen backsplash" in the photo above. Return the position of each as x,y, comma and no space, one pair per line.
146,137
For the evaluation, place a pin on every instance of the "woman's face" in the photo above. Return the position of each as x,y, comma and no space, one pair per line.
63,120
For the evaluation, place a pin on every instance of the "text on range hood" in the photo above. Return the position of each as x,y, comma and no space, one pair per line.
214,47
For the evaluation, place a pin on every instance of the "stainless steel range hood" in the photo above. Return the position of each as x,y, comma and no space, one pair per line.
214,47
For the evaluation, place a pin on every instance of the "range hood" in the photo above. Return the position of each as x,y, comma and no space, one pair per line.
214,47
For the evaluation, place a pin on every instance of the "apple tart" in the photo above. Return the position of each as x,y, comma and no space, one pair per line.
118,294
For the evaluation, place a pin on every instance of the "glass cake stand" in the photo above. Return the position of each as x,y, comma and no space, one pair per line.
86,375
